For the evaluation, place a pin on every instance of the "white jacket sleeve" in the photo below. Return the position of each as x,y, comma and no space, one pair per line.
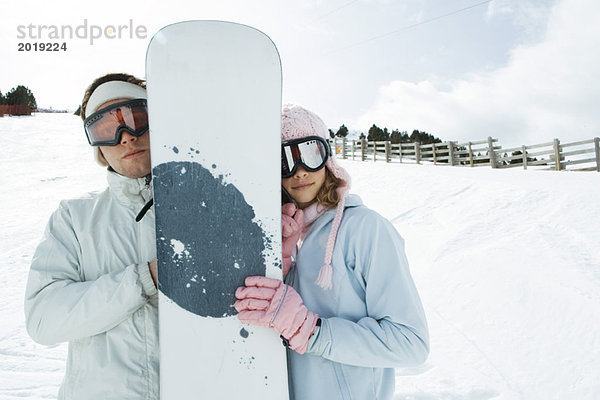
394,333
60,306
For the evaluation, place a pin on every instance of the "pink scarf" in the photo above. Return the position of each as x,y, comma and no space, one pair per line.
311,214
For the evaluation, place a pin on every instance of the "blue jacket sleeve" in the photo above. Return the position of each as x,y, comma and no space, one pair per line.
394,333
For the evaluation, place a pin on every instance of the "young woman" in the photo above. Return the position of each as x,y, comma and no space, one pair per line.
348,310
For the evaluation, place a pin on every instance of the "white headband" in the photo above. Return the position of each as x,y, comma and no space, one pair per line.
111,91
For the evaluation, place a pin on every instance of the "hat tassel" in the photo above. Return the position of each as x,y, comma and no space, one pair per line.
325,277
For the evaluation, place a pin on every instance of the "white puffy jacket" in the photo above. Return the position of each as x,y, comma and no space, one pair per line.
90,285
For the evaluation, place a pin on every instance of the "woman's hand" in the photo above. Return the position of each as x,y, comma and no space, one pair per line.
271,303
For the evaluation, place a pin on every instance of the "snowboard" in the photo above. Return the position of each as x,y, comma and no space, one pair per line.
214,105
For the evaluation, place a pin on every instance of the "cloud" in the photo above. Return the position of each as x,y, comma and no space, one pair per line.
546,90
530,16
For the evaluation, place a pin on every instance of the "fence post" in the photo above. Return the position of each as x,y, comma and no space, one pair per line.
387,151
418,152
374,151
362,149
400,151
597,147
451,153
344,148
492,152
470,155
557,149
353,148
524,151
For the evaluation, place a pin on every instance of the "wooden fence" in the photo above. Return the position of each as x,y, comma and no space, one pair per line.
15,110
575,156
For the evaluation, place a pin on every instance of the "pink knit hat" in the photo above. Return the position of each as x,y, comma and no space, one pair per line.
298,122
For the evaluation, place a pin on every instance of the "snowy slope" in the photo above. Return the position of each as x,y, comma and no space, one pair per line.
508,267
507,263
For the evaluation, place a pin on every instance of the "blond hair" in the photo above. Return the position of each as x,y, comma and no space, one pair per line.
328,195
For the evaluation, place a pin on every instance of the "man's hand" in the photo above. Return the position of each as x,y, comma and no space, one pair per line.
153,271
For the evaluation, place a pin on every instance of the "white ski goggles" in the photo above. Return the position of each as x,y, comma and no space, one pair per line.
311,152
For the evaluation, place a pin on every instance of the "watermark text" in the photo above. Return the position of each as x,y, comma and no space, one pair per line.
89,32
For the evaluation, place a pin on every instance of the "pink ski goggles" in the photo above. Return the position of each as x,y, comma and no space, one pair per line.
311,152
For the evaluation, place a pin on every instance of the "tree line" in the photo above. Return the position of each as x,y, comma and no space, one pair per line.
378,134
19,96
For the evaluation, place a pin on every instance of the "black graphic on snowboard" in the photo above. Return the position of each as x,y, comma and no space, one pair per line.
207,241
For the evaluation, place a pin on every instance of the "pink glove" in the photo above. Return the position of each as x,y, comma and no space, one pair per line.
271,303
291,228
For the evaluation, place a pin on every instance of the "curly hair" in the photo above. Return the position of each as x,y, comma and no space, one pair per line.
107,78
328,196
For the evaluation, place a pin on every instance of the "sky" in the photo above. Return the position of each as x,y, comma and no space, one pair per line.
524,71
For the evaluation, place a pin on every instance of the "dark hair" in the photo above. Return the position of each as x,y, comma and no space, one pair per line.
107,78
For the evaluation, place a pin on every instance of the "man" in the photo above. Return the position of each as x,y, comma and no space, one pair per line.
92,281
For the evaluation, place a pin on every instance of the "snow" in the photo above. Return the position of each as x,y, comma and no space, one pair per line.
507,263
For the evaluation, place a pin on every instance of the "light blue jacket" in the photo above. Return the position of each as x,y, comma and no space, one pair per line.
372,318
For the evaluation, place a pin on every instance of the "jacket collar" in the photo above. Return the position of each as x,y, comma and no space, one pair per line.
352,200
131,192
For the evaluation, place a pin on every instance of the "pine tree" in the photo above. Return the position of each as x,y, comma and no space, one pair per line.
377,134
342,131
399,137
21,95
2,99
423,137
